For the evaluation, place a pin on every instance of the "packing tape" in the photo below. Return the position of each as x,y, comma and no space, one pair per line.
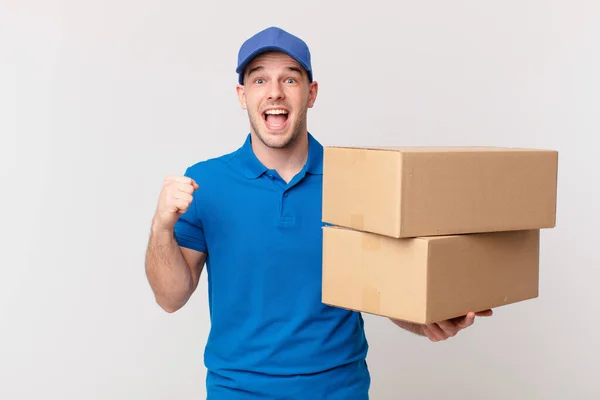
370,242
357,221
371,300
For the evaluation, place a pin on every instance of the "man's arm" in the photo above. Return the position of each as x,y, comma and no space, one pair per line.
173,272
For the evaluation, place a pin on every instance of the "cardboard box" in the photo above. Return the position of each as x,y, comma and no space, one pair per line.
428,279
425,191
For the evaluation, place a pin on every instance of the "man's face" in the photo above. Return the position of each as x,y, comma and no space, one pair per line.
277,94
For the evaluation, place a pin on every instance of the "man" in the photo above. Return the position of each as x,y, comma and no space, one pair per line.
253,217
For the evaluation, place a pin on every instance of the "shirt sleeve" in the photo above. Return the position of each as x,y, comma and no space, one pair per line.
189,230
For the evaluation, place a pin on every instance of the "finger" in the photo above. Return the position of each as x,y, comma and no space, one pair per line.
486,313
183,196
195,185
185,188
432,336
179,179
448,327
437,331
467,320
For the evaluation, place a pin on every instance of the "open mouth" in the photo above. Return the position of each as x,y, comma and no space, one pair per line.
276,118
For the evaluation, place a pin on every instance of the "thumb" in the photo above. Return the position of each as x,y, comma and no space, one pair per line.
195,185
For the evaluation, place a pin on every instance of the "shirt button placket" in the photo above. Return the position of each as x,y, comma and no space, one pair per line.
282,202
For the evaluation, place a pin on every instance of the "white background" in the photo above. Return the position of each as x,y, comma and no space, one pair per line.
99,100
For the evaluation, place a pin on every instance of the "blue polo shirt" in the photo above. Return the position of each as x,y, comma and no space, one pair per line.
271,337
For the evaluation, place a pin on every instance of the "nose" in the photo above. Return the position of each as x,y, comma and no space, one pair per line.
275,91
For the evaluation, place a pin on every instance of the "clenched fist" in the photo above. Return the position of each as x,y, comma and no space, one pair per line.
175,198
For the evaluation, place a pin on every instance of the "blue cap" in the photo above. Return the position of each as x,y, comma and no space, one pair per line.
273,39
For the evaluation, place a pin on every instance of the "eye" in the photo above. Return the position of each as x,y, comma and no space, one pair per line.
259,81
291,80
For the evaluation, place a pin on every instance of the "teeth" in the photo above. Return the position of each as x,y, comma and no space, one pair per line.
276,112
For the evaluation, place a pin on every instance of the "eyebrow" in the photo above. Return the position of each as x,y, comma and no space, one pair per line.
254,69
296,69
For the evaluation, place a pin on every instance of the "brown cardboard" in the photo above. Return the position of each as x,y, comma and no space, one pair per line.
430,191
428,279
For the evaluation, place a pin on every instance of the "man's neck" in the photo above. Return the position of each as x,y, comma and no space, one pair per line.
286,161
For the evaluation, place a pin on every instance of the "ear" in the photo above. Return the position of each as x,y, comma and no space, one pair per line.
312,93
241,95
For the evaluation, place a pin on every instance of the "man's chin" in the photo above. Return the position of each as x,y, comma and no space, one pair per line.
276,140
278,143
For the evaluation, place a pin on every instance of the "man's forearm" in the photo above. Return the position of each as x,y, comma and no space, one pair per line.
167,271
409,326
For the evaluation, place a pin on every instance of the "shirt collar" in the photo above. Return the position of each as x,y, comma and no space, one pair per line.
254,168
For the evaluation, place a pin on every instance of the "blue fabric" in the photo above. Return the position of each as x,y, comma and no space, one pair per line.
271,336
273,39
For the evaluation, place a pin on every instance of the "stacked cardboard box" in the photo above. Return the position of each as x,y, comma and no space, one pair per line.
425,234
